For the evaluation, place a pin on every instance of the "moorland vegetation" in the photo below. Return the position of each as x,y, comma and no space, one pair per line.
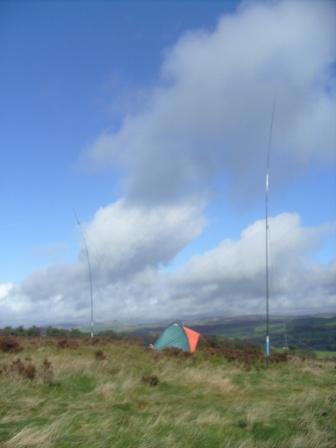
78,392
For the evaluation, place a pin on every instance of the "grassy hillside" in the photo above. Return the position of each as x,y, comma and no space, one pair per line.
118,394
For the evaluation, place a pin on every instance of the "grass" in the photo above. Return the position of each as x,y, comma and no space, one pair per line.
320,354
200,401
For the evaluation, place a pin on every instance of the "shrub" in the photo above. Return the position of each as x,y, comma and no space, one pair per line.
233,350
29,371
47,372
66,343
100,355
242,423
17,366
151,380
279,357
10,345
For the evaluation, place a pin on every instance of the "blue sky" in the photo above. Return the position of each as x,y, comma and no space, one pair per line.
84,87
67,63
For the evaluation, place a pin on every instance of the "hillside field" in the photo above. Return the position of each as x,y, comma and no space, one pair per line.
77,393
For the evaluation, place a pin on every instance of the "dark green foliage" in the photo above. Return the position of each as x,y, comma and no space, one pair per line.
35,331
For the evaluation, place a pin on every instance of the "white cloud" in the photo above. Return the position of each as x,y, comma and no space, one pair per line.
229,279
5,288
14,307
125,238
245,258
211,113
127,244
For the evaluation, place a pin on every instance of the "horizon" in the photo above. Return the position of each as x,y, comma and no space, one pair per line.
116,325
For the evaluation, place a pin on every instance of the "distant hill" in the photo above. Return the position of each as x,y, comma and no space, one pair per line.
308,332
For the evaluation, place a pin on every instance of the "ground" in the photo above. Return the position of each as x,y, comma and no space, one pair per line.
119,394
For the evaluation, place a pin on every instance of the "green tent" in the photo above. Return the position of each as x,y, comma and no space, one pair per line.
178,336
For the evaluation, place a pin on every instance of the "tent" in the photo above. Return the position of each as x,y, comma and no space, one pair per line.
178,336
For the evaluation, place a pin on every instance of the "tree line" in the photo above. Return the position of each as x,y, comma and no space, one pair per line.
42,331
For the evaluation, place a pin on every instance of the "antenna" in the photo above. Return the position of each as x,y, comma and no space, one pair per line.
268,157
286,338
89,269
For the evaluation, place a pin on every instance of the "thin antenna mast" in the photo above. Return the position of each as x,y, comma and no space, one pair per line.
89,269
268,157
286,338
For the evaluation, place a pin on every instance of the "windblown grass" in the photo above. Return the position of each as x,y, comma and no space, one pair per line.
199,401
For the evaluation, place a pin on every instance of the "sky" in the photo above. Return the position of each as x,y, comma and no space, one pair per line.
151,120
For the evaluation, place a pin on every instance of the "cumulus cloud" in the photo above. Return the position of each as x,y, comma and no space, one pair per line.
229,279
245,258
124,239
211,112
232,275
127,245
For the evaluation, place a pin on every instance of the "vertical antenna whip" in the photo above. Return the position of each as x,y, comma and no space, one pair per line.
89,269
268,157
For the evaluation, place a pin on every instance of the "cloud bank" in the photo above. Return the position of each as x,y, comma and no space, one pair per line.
226,279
